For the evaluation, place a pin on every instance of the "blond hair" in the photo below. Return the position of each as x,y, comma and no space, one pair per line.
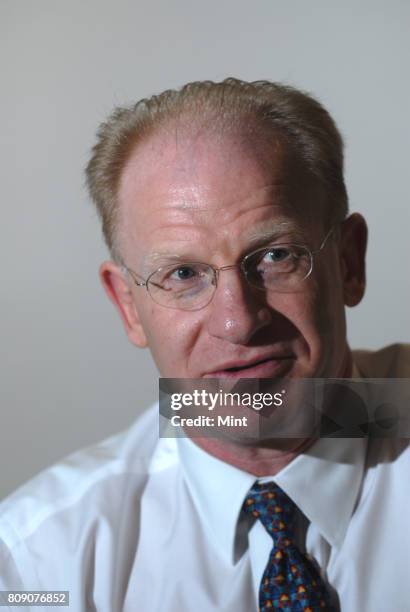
232,104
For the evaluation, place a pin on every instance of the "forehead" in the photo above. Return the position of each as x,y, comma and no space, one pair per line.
204,188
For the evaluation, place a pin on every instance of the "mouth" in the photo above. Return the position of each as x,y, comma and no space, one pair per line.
262,368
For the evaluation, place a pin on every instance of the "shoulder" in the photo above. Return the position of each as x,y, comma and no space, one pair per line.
77,525
82,483
392,361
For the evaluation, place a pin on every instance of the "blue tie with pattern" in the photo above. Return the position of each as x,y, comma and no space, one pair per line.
290,581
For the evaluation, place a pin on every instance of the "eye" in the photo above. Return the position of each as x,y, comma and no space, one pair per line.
272,261
277,254
182,273
180,278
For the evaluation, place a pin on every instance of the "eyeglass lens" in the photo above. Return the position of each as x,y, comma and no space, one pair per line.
190,286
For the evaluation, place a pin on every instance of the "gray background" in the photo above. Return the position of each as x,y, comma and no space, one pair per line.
68,375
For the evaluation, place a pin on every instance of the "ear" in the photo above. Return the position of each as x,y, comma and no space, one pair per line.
353,245
119,292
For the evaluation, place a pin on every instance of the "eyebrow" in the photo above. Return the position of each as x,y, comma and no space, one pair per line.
157,256
265,235
157,259
275,231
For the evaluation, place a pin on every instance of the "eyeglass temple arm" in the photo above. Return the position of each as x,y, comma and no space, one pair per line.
325,239
133,275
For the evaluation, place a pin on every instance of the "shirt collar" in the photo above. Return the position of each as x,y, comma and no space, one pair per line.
327,476
218,491
324,483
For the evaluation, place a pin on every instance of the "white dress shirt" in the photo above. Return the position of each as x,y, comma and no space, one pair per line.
141,524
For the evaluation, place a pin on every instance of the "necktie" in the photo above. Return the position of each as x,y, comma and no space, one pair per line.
290,581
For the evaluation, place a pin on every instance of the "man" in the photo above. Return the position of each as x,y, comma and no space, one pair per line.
225,212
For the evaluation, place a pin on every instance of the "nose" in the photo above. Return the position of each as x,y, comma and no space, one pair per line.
237,311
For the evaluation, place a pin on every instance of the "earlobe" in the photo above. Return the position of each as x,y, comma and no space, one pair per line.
119,292
353,258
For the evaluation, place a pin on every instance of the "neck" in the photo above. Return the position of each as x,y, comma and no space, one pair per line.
265,460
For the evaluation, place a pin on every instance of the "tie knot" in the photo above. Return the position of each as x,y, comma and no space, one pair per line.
276,511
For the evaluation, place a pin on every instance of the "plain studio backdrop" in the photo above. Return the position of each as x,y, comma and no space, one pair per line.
69,375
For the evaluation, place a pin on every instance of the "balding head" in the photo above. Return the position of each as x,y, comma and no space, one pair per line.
234,111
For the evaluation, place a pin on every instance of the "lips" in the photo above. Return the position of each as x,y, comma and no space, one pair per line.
272,366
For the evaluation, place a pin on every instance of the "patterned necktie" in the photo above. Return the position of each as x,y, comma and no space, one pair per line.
290,581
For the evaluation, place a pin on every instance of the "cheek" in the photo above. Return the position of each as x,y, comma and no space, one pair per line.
171,336
312,314
302,309
320,316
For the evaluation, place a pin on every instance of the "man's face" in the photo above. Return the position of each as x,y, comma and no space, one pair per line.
211,201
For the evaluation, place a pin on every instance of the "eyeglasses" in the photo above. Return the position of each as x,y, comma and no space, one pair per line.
191,285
